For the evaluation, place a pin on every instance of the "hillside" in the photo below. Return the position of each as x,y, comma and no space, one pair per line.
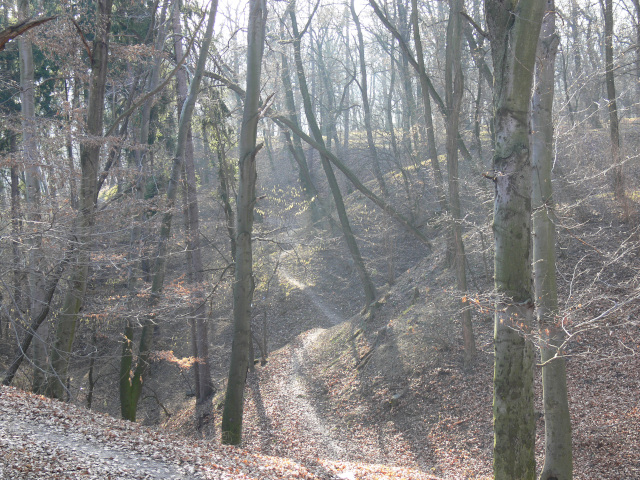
382,395
45,439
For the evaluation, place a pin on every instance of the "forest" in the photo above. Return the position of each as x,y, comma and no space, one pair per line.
320,239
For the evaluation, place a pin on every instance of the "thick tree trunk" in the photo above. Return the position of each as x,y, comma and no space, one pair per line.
513,30
89,162
558,456
243,285
454,84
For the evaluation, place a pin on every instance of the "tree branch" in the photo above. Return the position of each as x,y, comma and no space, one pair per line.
16,30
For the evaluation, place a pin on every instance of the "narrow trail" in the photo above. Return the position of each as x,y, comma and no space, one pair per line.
291,401
328,312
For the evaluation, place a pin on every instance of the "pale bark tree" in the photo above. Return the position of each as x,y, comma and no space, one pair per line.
244,284
366,107
558,463
429,128
513,29
426,126
89,163
294,144
200,337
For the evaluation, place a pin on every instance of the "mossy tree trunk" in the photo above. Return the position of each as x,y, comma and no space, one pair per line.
243,286
558,462
513,29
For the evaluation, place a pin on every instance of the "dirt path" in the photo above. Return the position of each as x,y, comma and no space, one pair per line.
330,315
307,433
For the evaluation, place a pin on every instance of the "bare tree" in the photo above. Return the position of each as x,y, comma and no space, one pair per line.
244,285
557,422
89,162
454,84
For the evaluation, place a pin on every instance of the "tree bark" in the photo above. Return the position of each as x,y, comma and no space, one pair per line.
513,31
33,197
129,386
612,104
131,378
310,191
428,115
454,84
244,285
365,280
558,462
200,347
89,163
36,321
364,90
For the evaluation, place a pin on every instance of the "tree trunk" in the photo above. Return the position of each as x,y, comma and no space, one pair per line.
454,84
614,124
130,385
310,191
428,115
89,162
636,5
226,189
244,285
33,217
16,229
364,90
36,321
513,31
200,347
367,284
131,378
558,457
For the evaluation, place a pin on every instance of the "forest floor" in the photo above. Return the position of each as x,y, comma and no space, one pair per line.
381,395
390,390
